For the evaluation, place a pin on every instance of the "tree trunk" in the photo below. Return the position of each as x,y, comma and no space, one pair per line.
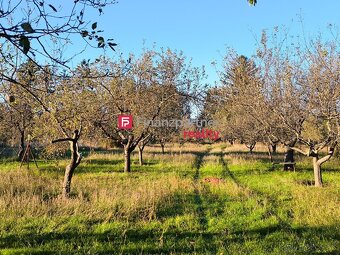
140,153
75,161
141,145
162,145
251,147
289,156
127,158
317,172
68,178
21,146
273,147
270,153
318,162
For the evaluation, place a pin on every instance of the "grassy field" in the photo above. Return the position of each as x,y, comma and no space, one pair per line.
171,205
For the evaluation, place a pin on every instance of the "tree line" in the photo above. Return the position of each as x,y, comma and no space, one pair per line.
156,85
288,93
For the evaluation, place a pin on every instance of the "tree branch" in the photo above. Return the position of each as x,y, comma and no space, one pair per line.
299,150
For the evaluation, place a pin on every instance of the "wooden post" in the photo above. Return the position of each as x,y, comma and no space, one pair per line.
27,153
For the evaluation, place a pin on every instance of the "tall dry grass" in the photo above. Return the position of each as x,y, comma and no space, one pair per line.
110,197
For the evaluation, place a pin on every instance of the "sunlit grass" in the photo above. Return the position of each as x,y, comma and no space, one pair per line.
167,207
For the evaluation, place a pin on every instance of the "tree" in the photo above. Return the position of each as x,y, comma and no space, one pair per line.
253,100
240,91
239,77
19,108
322,85
32,26
37,31
18,120
281,97
302,88
173,111
122,95
292,97
154,82
68,117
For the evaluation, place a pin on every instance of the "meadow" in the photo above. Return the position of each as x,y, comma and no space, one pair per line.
194,199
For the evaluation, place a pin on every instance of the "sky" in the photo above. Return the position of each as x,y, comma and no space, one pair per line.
204,29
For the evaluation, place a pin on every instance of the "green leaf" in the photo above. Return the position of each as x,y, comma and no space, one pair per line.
112,45
27,27
100,38
52,7
25,44
101,42
94,25
84,33
252,2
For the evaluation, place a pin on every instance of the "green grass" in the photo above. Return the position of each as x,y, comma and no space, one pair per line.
166,206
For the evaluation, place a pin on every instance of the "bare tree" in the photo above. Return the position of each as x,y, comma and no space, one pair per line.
240,93
32,27
67,116
322,84
302,87
37,31
154,82
19,107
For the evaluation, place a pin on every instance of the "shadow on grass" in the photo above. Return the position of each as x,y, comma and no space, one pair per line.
100,162
227,173
79,170
144,241
174,153
52,169
303,240
305,182
261,196
98,166
200,211
256,155
308,168
148,163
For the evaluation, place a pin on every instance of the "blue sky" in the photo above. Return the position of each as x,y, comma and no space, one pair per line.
203,29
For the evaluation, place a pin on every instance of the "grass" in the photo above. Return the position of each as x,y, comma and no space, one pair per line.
166,207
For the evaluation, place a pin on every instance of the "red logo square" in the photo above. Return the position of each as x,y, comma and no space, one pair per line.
125,121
